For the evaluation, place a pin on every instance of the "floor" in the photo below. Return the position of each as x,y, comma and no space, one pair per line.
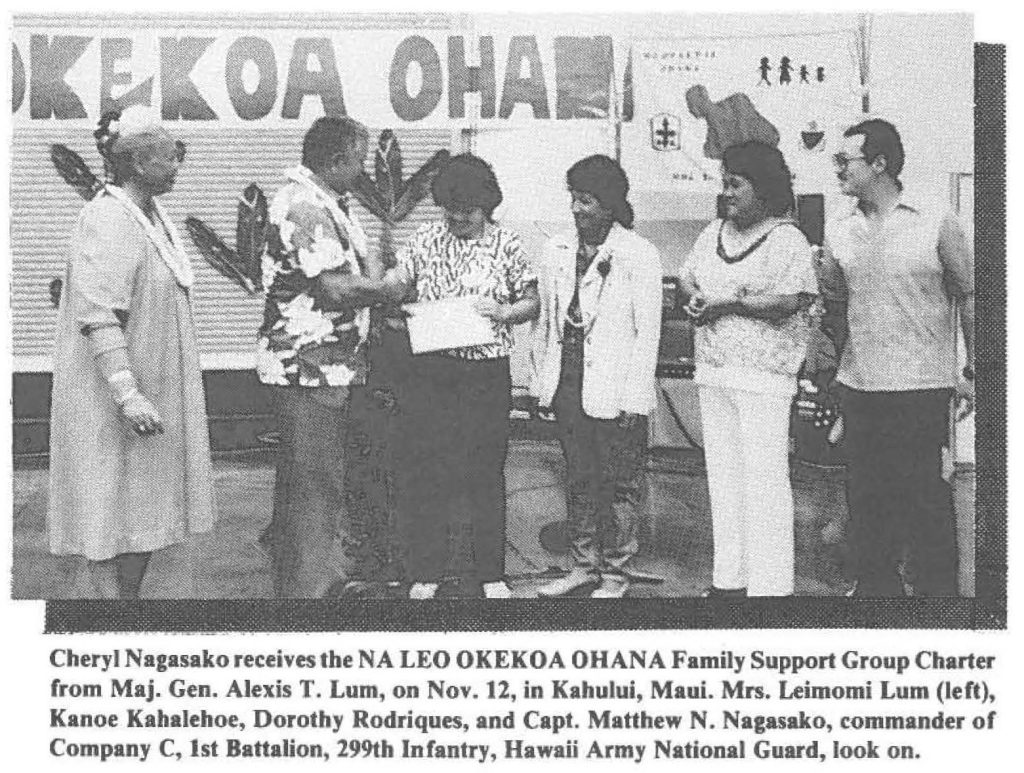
675,559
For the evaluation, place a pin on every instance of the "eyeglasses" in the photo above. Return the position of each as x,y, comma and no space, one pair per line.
841,162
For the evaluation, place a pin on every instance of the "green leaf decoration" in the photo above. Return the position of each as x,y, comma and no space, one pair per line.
418,186
366,192
218,254
251,233
75,172
387,168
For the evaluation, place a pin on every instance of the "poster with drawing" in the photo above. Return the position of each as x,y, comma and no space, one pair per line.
694,98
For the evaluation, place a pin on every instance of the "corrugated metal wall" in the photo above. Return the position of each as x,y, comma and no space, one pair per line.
219,164
221,161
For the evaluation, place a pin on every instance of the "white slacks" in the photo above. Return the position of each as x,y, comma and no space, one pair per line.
746,451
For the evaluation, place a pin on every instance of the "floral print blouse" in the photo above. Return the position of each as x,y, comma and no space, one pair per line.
300,342
741,351
443,266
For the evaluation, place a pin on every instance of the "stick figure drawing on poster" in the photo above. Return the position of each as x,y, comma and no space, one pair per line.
785,68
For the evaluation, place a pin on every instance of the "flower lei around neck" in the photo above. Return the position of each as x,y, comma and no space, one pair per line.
604,267
723,253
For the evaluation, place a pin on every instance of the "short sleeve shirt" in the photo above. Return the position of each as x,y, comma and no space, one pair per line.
301,343
752,354
443,266
900,283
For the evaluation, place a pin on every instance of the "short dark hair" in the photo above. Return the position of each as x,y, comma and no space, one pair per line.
765,167
881,139
467,181
604,179
329,136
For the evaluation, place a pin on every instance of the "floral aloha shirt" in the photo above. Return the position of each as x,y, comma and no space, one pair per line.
300,342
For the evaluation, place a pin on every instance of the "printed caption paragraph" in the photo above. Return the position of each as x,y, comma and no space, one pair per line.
528,705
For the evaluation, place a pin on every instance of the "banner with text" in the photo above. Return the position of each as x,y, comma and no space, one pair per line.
288,77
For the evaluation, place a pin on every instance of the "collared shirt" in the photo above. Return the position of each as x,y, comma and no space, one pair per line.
301,343
899,277
443,266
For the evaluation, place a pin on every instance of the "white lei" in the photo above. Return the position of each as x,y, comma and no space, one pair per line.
173,254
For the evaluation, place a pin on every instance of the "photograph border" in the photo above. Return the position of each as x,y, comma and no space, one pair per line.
987,610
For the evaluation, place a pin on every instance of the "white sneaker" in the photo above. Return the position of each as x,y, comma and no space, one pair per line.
613,586
577,578
422,590
497,590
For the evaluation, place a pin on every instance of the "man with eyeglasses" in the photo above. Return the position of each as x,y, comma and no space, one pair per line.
892,275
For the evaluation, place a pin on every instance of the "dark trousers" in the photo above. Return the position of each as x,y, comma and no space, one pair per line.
900,507
372,477
454,429
604,465
309,528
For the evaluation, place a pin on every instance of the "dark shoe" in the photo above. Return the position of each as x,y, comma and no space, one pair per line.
724,593
460,588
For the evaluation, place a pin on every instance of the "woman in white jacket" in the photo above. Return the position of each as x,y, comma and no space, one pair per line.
594,360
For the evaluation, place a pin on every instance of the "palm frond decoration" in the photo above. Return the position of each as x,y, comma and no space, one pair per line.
251,233
75,172
366,193
418,186
387,167
386,196
218,254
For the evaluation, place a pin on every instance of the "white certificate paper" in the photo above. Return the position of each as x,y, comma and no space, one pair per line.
447,324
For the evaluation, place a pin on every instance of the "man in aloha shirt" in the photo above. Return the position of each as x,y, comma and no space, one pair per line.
312,348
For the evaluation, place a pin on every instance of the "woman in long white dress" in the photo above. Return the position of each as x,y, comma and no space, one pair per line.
130,469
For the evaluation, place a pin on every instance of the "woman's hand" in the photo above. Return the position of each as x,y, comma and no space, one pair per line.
719,307
703,310
140,415
492,310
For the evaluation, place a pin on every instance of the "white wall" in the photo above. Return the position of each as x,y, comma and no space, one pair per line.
922,80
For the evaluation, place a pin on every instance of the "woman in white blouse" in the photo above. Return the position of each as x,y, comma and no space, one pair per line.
749,281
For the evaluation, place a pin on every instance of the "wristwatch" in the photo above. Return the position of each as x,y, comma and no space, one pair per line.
968,372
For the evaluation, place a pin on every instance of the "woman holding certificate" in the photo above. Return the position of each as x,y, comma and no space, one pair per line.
595,355
455,418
